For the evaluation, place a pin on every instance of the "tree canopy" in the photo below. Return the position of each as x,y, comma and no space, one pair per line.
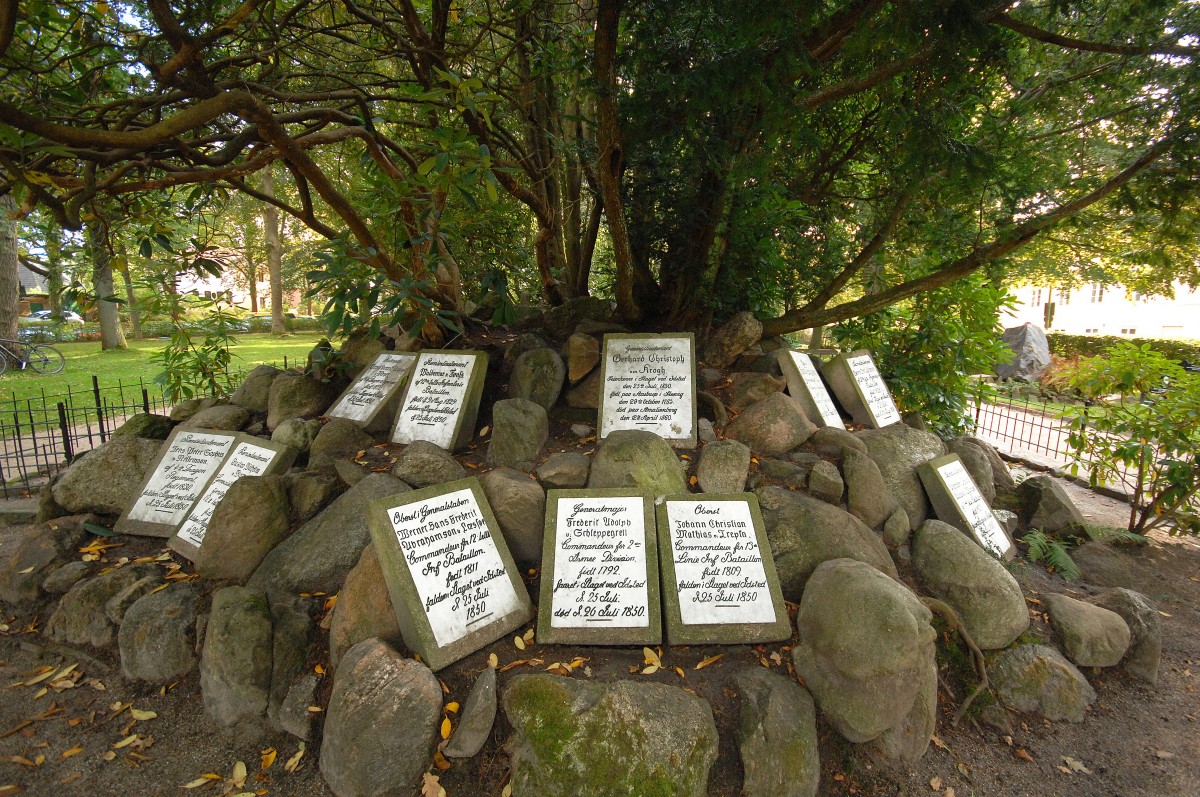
813,162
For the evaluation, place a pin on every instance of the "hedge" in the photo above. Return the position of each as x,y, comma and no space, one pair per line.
1069,346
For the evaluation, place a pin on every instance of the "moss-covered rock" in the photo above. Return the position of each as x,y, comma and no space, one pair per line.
637,459
1037,679
776,735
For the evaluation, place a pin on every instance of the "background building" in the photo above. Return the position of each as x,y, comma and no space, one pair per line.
1096,309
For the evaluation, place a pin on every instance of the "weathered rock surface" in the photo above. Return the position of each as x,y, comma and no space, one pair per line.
310,491
1091,635
255,391
567,470
825,483
244,527
297,433
81,617
1145,629
423,464
750,387
30,560
1038,680
731,339
520,427
977,465
867,497
607,739
364,609
235,667
898,450
1002,478
773,426
1045,505
157,638
340,438
116,606
224,417
88,485
723,467
295,396
382,721
830,440
641,460
1031,353
586,394
147,426
538,376
478,716
291,637
583,354
776,735
519,504
186,409
960,572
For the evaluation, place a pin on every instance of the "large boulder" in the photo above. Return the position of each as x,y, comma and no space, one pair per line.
235,667
723,467
424,464
1045,505
519,504
733,338
157,639
382,723
32,557
1145,629
223,417
1031,353
825,482
106,479
566,470
297,433
867,497
1038,680
317,557
520,428
1091,635
866,648
898,450
960,572
254,392
776,735
772,426
804,532
363,610
583,355
637,459
750,386
538,376
81,617
340,438
1002,478
575,737
297,396
147,426
245,525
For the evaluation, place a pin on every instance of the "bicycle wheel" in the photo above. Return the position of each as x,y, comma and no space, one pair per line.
46,359
3,361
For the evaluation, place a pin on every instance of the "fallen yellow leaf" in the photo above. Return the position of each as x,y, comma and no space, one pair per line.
139,714
238,777
72,751
652,658
128,740
446,727
493,661
202,780
520,643
268,757
293,763
710,660
452,707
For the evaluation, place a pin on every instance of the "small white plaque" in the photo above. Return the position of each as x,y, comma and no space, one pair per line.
874,390
649,385
373,387
816,389
436,397
719,571
190,460
600,564
974,507
246,460
455,566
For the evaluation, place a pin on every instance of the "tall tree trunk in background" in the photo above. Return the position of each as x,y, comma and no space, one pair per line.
111,334
135,315
54,280
10,284
274,256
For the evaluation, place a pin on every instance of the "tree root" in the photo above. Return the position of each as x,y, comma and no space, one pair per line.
947,613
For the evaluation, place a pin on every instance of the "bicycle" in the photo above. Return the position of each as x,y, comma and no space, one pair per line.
41,358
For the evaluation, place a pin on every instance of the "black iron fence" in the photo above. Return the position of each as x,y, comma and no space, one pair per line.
41,435
1025,425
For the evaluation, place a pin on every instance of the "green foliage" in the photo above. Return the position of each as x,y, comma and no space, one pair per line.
1053,553
1068,346
930,348
1143,431
196,359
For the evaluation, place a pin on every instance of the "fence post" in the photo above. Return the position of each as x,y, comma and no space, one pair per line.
146,400
65,428
99,406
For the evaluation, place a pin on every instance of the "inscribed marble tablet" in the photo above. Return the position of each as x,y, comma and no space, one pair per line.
442,399
956,500
187,460
806,386
861,390
648,382
374,390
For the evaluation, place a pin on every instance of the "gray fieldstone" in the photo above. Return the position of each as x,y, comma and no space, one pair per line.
574,737
381,725
423,464
1091,635
296,396
293,715
564,471
897,531
583,355
186,409
538,376
1002,478
245,525
1145,628
639,460
733,338
81,617
527,342
749,387
291,637
831,440
224,417
1045,505
478,716
296,433
349,472
867,497
825,483
254,393
866,648
1037,679
146,426
63,577
723,467
704,431
88,485
519,504
235,668
310,491
773,426
586,394
804,532
340,438
363,610
116,606
1102,564
157,639
520,428
977,465
570,316
897,450
1031,353
32,558
710,377
776,735
909,740
977,586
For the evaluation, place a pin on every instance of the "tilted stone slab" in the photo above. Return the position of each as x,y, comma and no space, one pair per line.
956,500
600,569
441,400
806,386
449,573
373,397
648,383
719,580
250,456
185,464
860,389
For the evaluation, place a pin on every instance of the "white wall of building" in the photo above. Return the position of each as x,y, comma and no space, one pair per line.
1095,309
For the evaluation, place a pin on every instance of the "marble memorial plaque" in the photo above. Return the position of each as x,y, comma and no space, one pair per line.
251,456
441,401
956,500
649,382
186,462
600,569
449,573
806,386
719,581
373,396
857,384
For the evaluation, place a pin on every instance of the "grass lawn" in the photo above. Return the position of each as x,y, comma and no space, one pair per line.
129,365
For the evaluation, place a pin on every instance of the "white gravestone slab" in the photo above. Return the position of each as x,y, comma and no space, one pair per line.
456,568
246,459
806,386
188,461
970,507
373,389
600,573
441,399
649,383
874,390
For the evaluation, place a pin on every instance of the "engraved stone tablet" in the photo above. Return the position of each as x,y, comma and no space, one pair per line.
251,456
806,386
599,569
187,460
719,581
956,500
857,384
373,396
648,382
442,399
451,579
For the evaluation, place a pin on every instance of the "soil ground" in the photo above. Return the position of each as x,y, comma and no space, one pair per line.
1136,740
